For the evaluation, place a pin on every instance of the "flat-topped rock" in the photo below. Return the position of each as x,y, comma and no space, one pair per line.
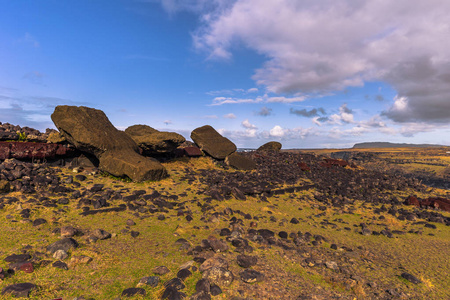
152,141
212,142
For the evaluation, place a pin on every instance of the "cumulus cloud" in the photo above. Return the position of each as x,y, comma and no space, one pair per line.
230,116
323,46
345,115
264,112
248,125
307,113
277,131
252,90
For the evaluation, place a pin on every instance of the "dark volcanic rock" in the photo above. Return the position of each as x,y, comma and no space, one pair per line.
251,276
411,278
19,289
133,291
152,141
246,261
90,131
210,141
237,161
270,146
64,244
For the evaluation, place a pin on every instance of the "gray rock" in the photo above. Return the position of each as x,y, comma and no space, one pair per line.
213,262
60,255
64,244
219,276
101,234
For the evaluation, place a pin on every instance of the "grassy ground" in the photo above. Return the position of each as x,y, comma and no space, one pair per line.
118,263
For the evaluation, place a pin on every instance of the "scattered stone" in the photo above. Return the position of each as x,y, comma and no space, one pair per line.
133,291
68,231
24,266
80,259
215,261
64,244
19,289
152,281
134,234
60,265
246,261
130,222
161,270
17,258
60,255
251,276
411,278
219,276
101,234
183,274
203,285
39,221
332,265
215,290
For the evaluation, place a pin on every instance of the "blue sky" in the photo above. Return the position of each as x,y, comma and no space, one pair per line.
309,74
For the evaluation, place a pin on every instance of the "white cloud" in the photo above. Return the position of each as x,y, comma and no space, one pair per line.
230,100
252,90
277,131
265,98
322,46
230,116
248,125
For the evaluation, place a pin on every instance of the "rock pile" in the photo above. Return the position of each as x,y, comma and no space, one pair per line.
90,131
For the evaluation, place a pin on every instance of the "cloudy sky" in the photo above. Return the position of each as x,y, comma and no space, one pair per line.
310,73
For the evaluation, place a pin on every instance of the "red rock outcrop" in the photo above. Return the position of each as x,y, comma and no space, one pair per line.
30,150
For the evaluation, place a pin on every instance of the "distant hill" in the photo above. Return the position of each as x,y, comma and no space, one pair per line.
392,145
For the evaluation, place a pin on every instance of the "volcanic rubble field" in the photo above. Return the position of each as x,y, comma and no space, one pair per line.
297,227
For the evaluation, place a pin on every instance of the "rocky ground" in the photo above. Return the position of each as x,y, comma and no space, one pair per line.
300,226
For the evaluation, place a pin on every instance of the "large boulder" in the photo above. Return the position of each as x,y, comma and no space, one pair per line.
89,130
211,142
270,146
154,142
